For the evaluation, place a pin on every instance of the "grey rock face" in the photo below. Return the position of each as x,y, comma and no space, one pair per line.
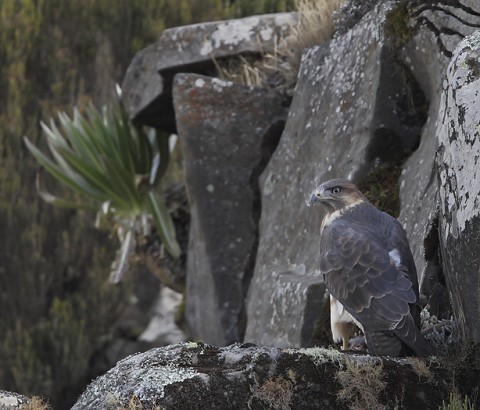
351,12
229,132
348,113
197,376
162,328
450,21
12,401
459,171
147,86
435,30
427,60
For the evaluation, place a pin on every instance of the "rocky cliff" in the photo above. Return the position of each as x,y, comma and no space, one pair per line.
391,102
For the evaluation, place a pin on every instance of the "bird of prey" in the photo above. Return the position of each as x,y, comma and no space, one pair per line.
368,267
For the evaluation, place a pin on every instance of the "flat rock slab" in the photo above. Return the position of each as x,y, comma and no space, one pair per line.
229,132
147,85
198,376
348,113
459,170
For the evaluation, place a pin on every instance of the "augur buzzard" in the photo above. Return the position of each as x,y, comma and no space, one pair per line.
368,267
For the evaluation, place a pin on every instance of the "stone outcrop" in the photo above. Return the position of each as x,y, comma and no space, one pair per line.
12,401
147,86
459,171
195,376
229,132
432,34
375,104
368,106
351,112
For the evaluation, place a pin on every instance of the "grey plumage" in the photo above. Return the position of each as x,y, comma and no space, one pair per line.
368,267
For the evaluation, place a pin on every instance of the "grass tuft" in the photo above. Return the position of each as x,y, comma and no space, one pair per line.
279,69
113,403
35,403
421,368
361,385
275,393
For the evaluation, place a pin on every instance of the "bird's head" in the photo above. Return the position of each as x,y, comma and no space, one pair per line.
336,194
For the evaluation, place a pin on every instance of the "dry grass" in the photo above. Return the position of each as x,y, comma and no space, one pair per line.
275,393
421,368
242,70
361,385
314,26
112,402
136,404
279,68
35,403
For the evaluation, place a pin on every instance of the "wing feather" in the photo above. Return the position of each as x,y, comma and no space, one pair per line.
361,275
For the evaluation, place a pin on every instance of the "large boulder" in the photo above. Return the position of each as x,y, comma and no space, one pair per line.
198,376
430,35
351,112
459,170
229,132
12,401
147,86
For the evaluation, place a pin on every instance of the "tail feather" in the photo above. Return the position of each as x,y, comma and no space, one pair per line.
412,337
405,340
384,343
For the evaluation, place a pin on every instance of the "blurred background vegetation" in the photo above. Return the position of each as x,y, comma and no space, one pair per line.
57,309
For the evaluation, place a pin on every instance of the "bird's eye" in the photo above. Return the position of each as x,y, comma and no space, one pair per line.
336,190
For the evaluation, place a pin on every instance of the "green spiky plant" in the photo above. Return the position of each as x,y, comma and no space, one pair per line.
455,403
114,166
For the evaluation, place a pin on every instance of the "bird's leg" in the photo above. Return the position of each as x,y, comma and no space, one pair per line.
345,342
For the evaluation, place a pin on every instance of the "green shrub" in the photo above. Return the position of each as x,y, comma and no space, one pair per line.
115,166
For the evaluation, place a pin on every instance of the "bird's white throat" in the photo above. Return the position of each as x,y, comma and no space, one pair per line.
330,217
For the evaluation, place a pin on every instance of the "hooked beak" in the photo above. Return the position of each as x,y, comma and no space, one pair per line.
315,197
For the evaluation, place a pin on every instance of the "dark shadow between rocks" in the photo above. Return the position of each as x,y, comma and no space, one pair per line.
270,140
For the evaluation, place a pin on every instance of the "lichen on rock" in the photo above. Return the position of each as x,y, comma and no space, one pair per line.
458,161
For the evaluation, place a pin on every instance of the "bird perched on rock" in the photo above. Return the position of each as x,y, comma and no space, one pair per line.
368,267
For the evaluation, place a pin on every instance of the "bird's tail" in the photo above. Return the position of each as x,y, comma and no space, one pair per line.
381,343
412,337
